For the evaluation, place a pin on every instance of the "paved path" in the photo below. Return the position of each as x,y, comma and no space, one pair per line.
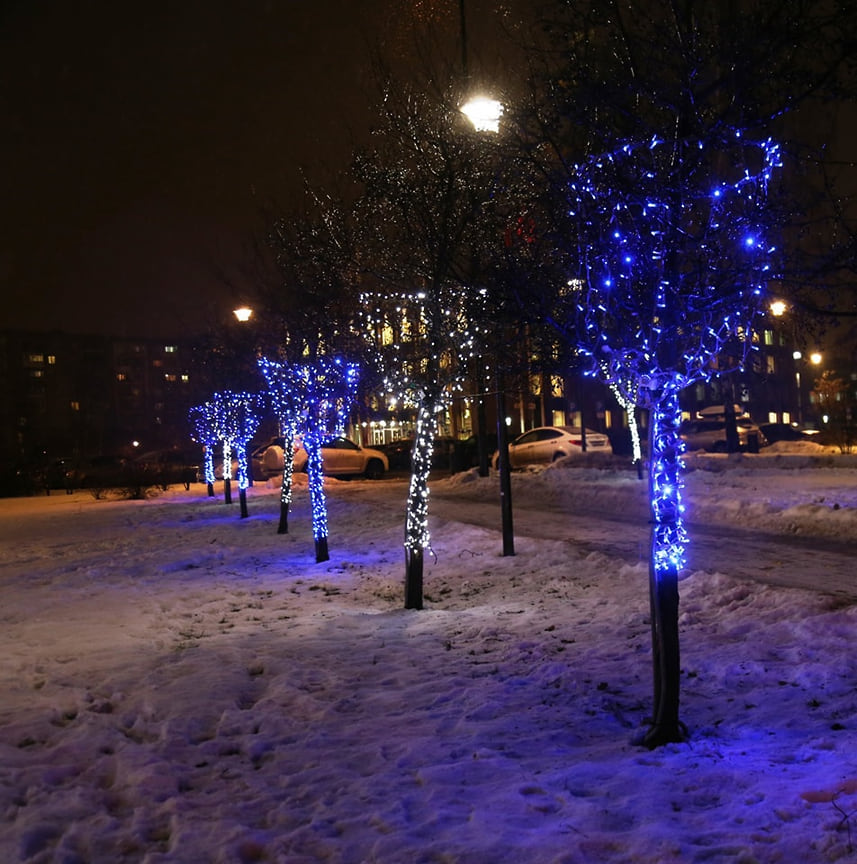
816,563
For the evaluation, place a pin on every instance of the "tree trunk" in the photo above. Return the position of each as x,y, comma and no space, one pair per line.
321,551
505,470
666,559
286,483
416,519
318,505
242,498
210,490
733,443
413,578
227,490
283,526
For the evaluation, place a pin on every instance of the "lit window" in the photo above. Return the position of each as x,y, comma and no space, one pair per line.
157,363
770,364
121,376
52,360
36,358
170,349
185,379
75,406
37,373
169,377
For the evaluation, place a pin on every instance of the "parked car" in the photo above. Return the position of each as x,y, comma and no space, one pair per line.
467,451
708,431
399,452
549,443
340,458
168,466
774,432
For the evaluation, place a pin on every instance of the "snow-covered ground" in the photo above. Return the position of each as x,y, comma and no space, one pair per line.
178,684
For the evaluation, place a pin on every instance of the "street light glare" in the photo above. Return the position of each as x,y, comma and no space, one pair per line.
244,313
483,113
778,308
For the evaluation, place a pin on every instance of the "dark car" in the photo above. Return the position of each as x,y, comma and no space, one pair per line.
167,467
774,432
398,453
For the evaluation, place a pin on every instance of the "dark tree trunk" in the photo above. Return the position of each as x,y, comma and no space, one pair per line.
413,578
666,726
227,490
283,527
321,551
664,565
481,426
733,443
242,497
505,470
210,490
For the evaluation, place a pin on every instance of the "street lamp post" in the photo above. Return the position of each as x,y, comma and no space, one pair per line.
484,113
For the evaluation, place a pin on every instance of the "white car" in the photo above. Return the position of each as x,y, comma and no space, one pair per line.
340,458
708,431
549,443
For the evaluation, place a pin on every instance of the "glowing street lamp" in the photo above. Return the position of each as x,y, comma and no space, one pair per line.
484,113
815,358
243,313
778,308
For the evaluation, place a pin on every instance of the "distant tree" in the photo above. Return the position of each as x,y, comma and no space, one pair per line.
287,398
313,400
231,418
310,308
205,432
836,402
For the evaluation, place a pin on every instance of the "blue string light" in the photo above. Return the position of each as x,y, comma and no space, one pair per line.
205,432
315,398
670,270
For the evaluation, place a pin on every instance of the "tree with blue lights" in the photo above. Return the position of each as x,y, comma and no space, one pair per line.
657,126
286,393
670,270
205,432
236,417
244,412
231,419
312,304
330,385
312,399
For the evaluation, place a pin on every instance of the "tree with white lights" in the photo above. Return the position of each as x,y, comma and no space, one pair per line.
425,208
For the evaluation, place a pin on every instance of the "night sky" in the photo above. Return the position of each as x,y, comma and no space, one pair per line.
142,142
